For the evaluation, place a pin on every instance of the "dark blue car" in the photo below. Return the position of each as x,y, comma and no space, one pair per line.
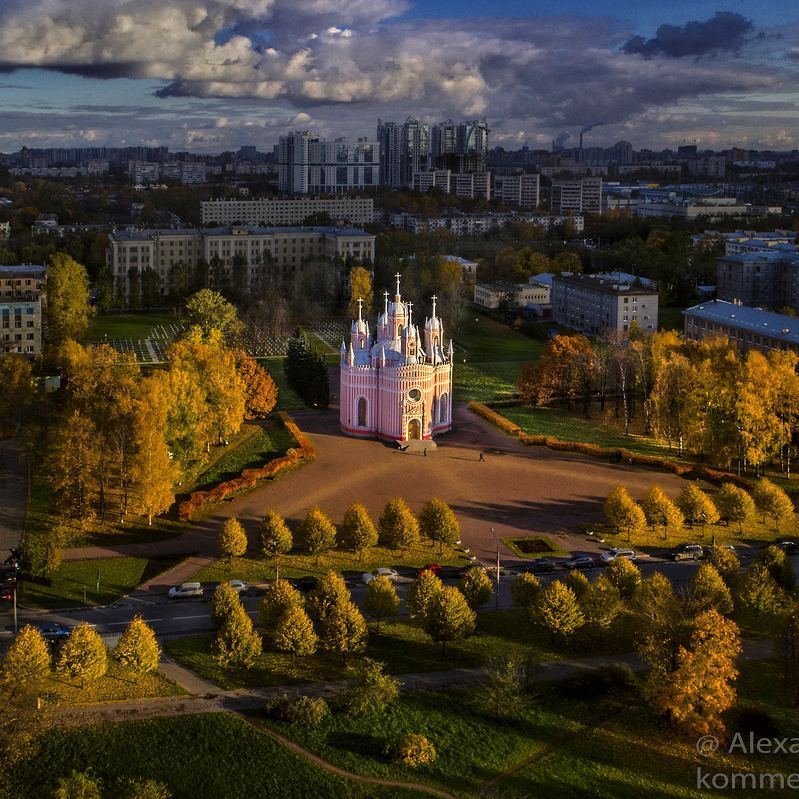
52,631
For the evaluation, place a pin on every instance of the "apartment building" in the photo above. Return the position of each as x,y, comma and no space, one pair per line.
23,301
280,212
580,196
747,328
521,190
595,305
287,248
310,165
767,278
477,224
514,295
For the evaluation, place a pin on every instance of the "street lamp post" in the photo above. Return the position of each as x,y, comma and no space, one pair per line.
496,541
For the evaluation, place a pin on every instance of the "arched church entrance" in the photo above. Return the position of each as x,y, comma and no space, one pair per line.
414,430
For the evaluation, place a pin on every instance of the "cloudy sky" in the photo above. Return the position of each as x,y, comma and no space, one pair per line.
209,75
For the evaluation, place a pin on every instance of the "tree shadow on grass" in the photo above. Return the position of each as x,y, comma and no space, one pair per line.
358,743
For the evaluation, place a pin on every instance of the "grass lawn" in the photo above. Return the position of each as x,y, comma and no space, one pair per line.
573,426
75,579
287,398
405,649
127,325
116,685
592,748
208,756
488,358
255,569
532,546
252,446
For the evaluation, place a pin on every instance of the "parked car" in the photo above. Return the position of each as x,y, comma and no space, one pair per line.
185,591
788,546
615,552
53,631
392,575
580,562
540,565
6,593
432,567
687,552
305,584
240,587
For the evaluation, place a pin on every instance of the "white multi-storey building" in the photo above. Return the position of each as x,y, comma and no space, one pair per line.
581,196
279,211
521,190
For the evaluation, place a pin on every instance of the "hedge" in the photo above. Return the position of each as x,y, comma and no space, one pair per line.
691,472
304,452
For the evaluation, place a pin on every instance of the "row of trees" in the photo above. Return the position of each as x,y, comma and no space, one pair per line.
702,397
731,504
397,528
686,637
306,371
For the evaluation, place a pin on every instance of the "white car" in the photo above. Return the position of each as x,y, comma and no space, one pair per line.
614,553
382,572
185,591
239,586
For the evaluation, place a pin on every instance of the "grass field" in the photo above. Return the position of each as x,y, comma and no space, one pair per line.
255,568
116,685
606,431
126,325
405,648
488,358
253,446
208,756
75,579
598,747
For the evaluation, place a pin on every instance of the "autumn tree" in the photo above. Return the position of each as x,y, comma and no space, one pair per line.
697,506
330,590
601,604
502,690
373,691
208,310
625,575
343,630
316,534
559,611
224,602
701,689
16,390
26,662
772,502
357,531
137,650
734,505
381,600
73,461
660,619
360,289
759,592
421,593
776,560
294,633
276,539
78,785
448,617
398,528
232,539
563,367
476,587
525,591
236,644
68,309
577,581
660,510
260,391
708,591
726,563
623,514
83,655
188,428
279,597
438,523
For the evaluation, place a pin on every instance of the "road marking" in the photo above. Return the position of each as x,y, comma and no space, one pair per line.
112,623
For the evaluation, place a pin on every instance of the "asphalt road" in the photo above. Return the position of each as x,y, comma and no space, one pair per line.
175,618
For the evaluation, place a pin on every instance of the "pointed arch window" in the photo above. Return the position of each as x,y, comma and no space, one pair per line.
363,409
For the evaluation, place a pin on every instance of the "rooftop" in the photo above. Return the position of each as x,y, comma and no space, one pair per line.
22,270
145,235
756,320
601,283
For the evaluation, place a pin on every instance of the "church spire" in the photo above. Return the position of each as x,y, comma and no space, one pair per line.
360,309
434,298
398,296
385,297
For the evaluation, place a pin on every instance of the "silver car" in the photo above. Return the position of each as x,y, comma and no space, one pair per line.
186,591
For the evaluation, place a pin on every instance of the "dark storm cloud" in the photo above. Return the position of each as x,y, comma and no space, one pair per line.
724,31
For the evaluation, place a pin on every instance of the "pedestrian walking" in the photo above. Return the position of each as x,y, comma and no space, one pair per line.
425,452
481,459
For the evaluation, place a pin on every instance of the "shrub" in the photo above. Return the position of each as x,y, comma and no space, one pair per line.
412,750
306,711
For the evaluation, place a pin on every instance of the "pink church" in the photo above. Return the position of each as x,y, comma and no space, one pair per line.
396,388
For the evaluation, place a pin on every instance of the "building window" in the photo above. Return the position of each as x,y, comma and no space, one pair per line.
414,395
362,411
442,409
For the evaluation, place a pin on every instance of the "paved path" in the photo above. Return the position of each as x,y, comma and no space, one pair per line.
518,490
13,494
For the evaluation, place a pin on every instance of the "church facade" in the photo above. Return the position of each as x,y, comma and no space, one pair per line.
399,386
